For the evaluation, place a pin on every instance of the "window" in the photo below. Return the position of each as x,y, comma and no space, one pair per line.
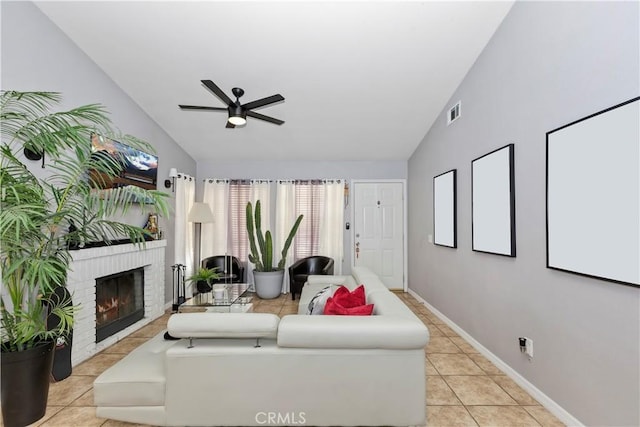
309,202
240,193
239,196
320,201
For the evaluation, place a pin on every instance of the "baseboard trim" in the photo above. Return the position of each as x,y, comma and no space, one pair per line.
536,393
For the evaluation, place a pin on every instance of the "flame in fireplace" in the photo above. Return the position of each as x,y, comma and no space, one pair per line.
107,311
108,305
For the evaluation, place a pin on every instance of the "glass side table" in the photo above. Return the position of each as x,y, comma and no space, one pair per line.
232,298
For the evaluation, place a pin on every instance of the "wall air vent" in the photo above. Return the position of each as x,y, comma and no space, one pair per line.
454,113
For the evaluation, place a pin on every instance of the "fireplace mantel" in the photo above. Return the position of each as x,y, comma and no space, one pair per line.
91,263
99,252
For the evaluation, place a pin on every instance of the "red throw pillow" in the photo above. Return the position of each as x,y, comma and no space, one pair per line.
345,302
333,307
349,299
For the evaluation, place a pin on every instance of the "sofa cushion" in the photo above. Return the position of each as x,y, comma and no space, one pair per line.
369,279
223,325
317,303
366,332
332,280
136,380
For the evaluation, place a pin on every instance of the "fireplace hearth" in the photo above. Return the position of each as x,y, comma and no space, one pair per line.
119,302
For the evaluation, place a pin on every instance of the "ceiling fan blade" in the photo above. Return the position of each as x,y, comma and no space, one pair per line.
217,91
230,125
262,102
263,117
197,107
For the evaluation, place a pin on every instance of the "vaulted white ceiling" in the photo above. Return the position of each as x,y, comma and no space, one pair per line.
361,80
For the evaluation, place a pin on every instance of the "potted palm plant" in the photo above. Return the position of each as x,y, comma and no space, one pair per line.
203,278
268,279
40,218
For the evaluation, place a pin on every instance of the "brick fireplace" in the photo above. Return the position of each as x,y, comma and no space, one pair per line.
91,264
119,302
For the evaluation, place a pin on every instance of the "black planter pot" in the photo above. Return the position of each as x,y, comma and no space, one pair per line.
203,287
25,384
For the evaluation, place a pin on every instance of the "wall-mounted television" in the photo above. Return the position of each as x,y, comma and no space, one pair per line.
138,168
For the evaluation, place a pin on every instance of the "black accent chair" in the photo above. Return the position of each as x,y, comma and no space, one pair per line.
301,269
229,267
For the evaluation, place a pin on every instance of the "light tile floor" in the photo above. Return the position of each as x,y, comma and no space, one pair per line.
463,387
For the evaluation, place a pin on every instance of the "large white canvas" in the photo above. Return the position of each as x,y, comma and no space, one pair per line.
444,209
593,195
493,221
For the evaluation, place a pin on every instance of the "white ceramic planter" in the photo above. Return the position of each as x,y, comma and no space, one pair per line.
268,283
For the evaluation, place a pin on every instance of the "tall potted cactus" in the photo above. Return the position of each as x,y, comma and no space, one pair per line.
268,278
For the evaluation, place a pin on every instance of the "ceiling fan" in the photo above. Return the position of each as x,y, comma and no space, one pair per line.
237,112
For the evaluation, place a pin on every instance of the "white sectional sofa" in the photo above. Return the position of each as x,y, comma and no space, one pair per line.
248,369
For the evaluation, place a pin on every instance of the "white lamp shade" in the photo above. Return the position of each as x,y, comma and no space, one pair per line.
200,212
173,173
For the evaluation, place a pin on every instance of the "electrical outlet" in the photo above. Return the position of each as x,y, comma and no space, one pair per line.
529,347
526,346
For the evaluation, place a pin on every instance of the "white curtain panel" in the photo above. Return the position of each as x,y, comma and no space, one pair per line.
285,218
331,223
261,190
214,235
184,230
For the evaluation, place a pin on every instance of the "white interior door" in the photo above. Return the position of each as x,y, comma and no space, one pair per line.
378,232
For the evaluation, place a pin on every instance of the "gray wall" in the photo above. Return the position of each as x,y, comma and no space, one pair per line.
392,169
36,55
549,63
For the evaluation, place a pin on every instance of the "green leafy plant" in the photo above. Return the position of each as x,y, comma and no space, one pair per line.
205,275
263,260
40,217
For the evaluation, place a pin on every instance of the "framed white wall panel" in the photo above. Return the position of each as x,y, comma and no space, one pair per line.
445,209
493,203
593,195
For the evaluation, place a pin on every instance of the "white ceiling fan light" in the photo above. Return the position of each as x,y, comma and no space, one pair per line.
237,120
237,116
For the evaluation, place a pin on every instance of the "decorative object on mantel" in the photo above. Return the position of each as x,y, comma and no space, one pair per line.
268,280
152,225
37,214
